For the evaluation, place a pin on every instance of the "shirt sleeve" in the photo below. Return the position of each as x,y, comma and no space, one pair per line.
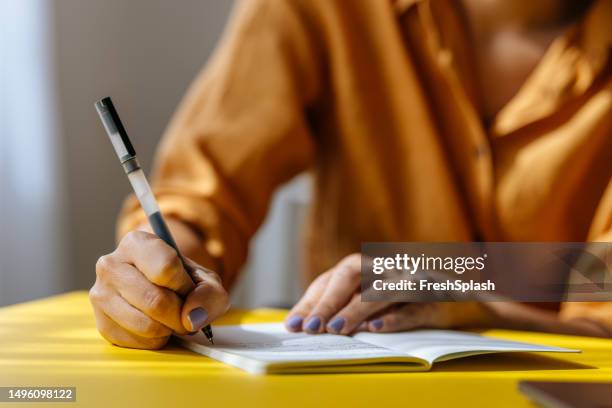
240,132
601,231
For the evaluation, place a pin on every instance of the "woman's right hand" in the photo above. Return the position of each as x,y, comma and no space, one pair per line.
143,293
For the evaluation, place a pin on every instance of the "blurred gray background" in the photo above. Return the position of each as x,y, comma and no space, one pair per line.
60,184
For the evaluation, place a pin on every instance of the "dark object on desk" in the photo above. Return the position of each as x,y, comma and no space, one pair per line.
568,394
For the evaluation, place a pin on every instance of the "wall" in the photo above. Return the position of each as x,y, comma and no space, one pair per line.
32,244
143,53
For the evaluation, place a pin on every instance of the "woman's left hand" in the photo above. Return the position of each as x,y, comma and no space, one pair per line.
332,304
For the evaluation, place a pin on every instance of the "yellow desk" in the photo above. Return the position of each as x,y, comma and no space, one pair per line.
54,342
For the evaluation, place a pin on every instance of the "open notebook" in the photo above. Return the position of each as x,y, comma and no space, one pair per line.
269,348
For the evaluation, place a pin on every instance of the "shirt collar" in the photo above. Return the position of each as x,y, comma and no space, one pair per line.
595,31
566,71
594,35
401,6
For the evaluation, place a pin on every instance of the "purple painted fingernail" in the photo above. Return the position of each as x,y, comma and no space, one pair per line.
377,324
313,324
337,324
197,318
295,322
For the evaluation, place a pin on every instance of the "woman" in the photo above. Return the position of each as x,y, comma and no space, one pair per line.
431,120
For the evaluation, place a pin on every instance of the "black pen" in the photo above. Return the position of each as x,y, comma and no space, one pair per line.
127,156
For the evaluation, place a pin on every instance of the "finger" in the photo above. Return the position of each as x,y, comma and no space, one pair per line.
407,317
206,302
362,327
356,312
437,315
302,308
158,261
343,283
194,271
116,335
132,319
159,303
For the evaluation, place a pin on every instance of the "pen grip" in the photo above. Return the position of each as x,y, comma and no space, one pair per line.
162,231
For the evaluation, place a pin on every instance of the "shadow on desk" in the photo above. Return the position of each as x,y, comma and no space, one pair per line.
508,362
482,363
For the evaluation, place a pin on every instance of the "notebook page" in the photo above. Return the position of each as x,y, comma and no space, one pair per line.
254,346
440,345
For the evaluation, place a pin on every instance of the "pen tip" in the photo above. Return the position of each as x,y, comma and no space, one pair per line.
208,333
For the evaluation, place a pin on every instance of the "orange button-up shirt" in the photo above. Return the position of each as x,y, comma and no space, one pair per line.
377,99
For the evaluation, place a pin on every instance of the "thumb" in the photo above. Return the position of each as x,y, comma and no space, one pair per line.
206,302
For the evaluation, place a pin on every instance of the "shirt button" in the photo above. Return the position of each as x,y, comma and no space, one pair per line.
481,151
